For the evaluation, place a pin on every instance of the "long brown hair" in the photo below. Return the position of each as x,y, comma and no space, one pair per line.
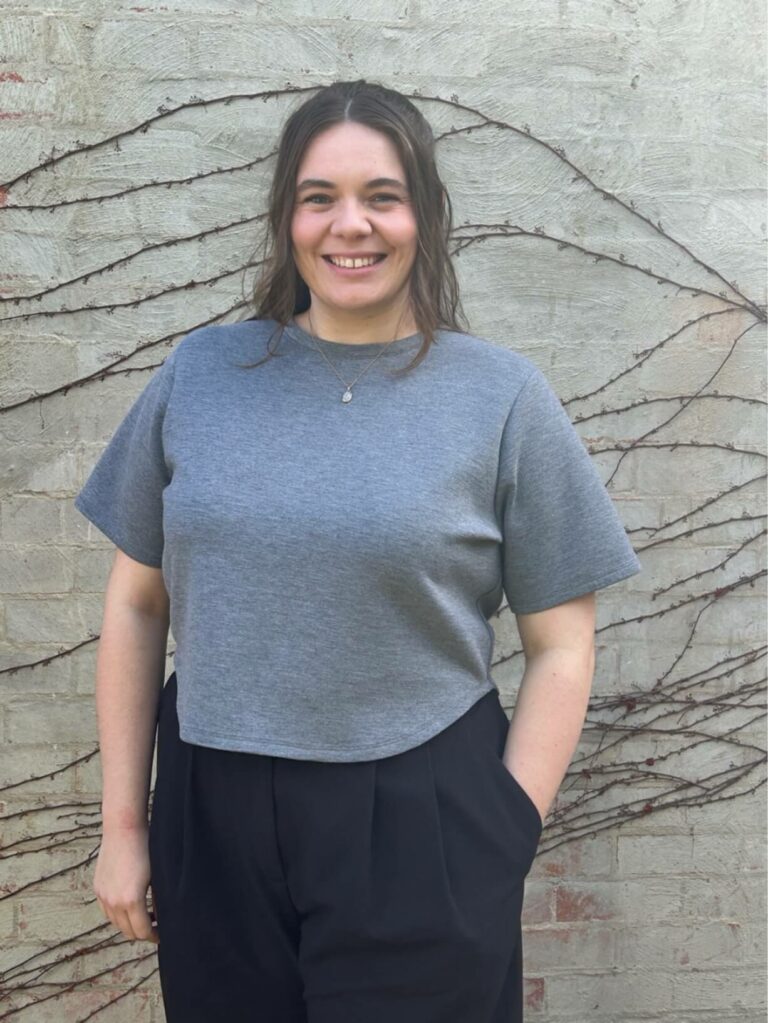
280,292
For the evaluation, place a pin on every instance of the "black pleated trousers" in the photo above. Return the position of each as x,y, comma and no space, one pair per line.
376,891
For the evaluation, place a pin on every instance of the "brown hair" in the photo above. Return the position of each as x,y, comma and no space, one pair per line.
281,292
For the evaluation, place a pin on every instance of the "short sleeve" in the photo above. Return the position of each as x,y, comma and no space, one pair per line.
562,535
123,495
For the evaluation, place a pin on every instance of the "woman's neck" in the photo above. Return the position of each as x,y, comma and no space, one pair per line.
356,330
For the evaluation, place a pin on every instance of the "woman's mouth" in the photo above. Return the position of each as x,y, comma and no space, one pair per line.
354,267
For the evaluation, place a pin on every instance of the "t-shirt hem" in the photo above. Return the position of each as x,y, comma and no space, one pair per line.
109,529
614,575
269,747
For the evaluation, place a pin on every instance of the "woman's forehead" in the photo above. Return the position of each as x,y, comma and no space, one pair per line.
350,147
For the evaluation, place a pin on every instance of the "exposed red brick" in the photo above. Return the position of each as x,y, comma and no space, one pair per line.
534,993
581,904
562,862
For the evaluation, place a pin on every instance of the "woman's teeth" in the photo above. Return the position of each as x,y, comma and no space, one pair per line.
353,263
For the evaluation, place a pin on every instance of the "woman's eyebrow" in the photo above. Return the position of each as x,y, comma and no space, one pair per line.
322,183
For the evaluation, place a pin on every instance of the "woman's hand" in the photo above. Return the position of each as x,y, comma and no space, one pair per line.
121,880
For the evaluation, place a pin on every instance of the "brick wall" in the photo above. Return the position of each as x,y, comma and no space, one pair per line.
622,189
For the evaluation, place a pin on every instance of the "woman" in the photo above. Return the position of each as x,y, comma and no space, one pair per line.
343,817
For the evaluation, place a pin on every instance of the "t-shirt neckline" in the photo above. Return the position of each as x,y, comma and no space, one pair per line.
344,349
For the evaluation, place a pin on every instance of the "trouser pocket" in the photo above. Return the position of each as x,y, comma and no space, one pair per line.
513,808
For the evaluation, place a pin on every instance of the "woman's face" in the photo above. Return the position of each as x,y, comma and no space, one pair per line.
352,215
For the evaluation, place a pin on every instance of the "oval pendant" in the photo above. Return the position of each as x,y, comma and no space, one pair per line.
347,396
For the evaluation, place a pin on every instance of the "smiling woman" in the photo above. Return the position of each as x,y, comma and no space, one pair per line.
344,820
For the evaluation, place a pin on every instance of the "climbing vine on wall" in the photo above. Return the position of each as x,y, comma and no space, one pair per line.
683,738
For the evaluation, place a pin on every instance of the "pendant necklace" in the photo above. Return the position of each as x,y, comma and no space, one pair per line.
347,395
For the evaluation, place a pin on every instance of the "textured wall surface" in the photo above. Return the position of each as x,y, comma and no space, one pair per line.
606,162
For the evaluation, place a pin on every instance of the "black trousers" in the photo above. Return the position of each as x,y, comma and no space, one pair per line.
377,891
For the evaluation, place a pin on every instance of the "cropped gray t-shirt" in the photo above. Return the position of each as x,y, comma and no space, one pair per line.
332,566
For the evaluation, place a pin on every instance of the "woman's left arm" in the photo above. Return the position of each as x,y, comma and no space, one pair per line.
544,731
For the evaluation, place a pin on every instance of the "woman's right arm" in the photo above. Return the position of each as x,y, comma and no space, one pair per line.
130,673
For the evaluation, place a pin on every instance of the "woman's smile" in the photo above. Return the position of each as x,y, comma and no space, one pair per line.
357,266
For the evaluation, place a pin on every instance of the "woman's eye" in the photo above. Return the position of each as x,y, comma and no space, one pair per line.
381,195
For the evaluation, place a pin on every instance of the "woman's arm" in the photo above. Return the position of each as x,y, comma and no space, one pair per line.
559,647
130,672
129,677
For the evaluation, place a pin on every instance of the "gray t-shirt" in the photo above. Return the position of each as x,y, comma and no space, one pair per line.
331,566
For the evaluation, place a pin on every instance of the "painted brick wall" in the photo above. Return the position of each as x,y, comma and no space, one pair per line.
609,206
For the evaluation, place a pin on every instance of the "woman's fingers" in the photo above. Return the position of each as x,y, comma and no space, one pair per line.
121,919
135,921
141,924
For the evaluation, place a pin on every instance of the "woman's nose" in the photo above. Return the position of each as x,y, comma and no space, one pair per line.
351,216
